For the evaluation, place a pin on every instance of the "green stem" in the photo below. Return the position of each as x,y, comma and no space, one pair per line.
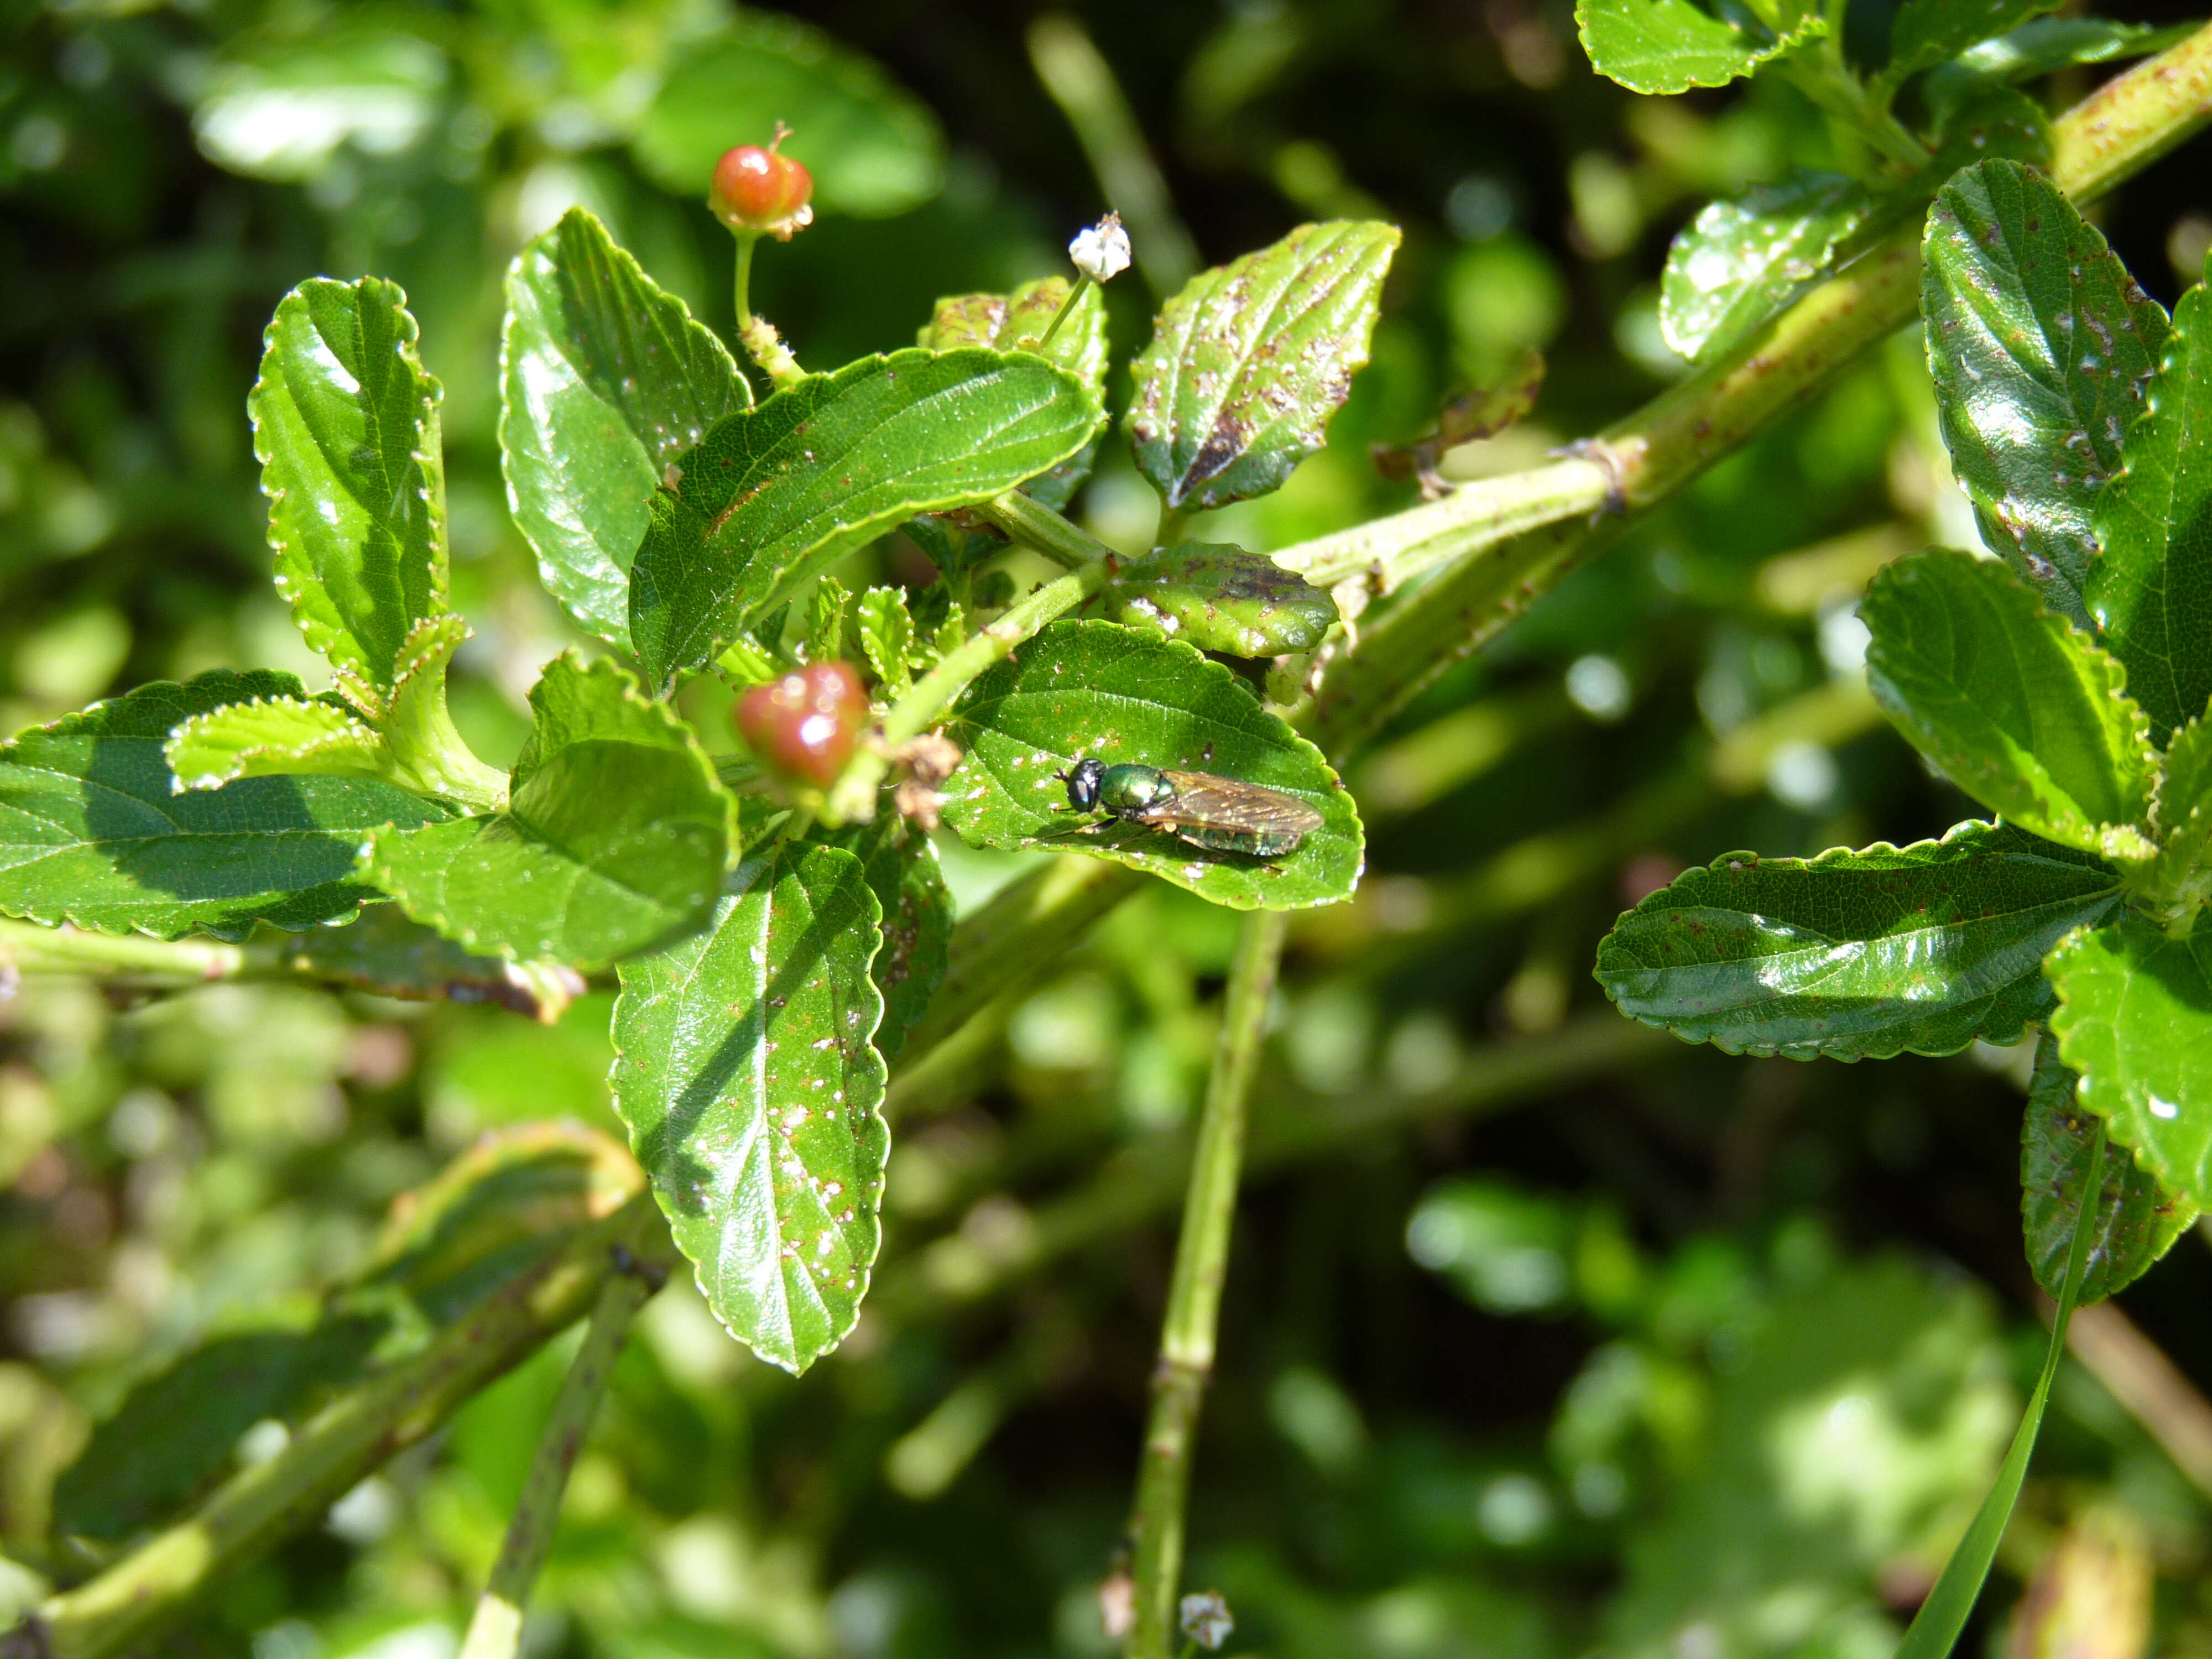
931,697
1082,84
330,1453
1194,1314
757,334
134,959
495,1630
1067,309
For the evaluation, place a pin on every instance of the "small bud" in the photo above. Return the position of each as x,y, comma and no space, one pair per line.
804,725
759,189
1117,1604
1205,1620
1101,252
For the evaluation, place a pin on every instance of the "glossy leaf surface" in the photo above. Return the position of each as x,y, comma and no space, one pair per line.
1671,46
1097,689
1853,955
2150,588
752,1091
873,148
604,379
274,737
2136,1223
902,872
1738,263
1926,32
93,830
1248,362
1017,322
2182,811
2022,711
616,836
345,425
2135,1020
2040,343
775,495
1220,598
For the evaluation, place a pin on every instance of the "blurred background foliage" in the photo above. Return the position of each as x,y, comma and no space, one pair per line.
1543,1337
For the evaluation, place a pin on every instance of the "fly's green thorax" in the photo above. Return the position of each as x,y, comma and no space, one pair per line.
1126,789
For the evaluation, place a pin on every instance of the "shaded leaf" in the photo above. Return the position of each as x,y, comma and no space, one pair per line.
1095,689
916,910
345,426
1738,263
604,379
1248,362
2136,1223
872,147
825,625
752,1093
777,493
386,953
274,737
1855,955
1671,46
2135,1020
1926,32
1979,117
2182,810
616,836
1221,599
2150,588
94,831
2022,711
2056,43
2040,343
886,630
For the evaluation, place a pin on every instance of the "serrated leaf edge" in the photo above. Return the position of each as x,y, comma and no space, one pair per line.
353,732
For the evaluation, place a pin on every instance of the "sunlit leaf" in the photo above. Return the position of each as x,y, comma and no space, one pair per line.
1017,322
751,1089
1248,362
886,631
1853,955
2040,344
902,872
872,147
2182,810
2135,1020
1671,46
94,831
2136,1224
2021,710
605,380
616,836
282,109
776,495
274,736
1219,598
345,424
1738,263
2150,588
1926,32
1098,690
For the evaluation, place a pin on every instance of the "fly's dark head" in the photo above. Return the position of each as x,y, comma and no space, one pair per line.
1082,782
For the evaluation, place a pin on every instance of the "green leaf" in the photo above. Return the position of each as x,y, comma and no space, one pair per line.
616,836
1926,32
1249,360
2056,43
1221,599
179,1428
605,380
1738,263
378,85
886,630
1671,46
345,425
752,1092
1871,954
872,147
94,831
2040,343
2135,1020
825,626
916,909
389,955
2136,1224
2182,813
1017,322
1936,1629
1979,117
2022,711
2150,589
274,736
1095,689
776,495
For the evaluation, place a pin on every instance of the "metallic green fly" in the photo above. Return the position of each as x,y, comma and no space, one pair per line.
1219,813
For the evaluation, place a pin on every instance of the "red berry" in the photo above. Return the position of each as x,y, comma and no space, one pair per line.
760,190
806,724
